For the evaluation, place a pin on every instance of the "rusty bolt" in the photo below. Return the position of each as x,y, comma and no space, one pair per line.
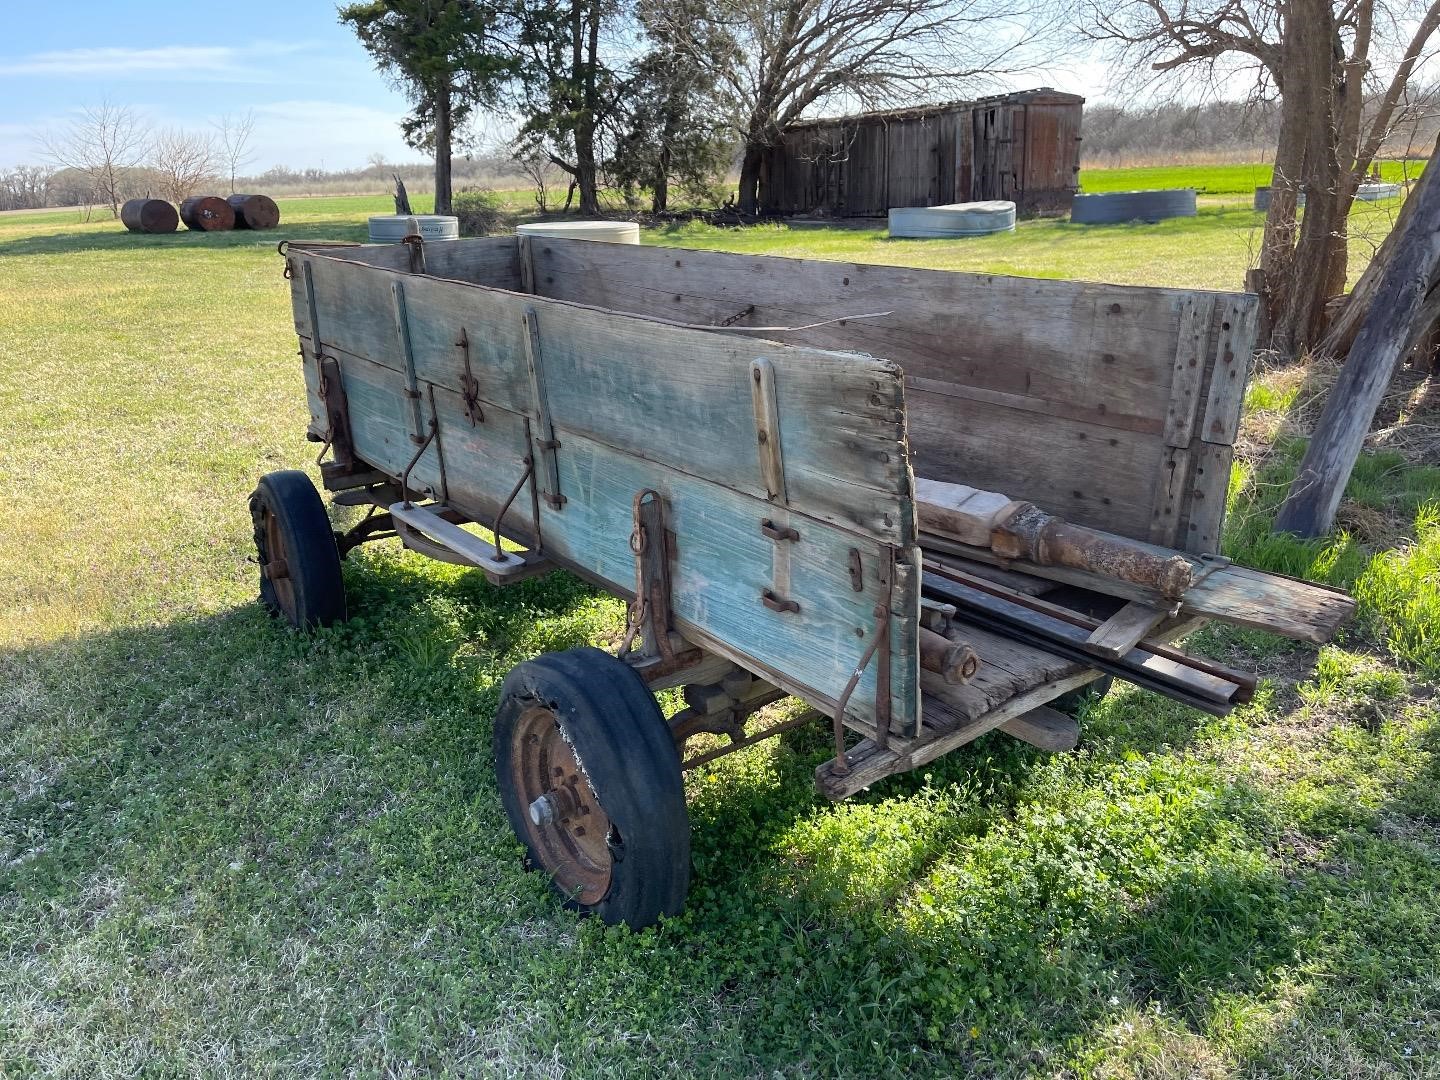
542,811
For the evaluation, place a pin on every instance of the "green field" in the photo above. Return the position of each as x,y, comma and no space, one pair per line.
226,848
1213,180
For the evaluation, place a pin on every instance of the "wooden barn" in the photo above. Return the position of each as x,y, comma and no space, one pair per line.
1023,146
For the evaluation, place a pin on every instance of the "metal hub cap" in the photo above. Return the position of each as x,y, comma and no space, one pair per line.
567,829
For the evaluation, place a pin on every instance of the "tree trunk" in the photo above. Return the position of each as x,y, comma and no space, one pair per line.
1346,325
1385,337
660,187
750,176
442,150
1298,261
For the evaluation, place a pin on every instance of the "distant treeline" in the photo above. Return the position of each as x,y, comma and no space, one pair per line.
1117,136
33,187
1114,137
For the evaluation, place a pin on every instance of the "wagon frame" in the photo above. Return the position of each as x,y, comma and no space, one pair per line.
680,429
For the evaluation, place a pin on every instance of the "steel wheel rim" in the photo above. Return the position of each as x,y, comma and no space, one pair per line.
576,846
276,567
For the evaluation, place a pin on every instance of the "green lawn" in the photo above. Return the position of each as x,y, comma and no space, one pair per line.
226,848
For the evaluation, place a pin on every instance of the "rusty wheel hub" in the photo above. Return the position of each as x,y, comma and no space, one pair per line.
276,566
567,829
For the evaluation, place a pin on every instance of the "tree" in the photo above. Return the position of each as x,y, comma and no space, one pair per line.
1324,58
1404,305
183,162
678,119
785,56
447,56
568,92
232,148
25,187
103,144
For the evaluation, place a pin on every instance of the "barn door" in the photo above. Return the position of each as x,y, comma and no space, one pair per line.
1048,174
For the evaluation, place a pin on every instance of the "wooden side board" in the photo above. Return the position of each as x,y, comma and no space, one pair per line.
1059,392
637,404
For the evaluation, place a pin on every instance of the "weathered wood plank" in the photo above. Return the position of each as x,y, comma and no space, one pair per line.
723,560
1120,633
675,395
1084,473
1083,353
1187,380
1045,728
1231,371
487,260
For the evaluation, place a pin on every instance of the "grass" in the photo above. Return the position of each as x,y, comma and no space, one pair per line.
229,849
1213,180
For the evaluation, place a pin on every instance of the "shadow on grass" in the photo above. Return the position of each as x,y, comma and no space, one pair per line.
227,790
115,240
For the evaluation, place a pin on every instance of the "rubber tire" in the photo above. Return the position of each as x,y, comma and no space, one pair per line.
621,737
310,549
1072,701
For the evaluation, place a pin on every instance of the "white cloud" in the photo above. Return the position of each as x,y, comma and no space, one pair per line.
185,62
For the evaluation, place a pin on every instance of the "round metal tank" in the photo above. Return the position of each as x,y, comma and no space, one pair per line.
611,232
254,211
1262,197
207,213
1376,192
392,228
1116,206
149,216
953,220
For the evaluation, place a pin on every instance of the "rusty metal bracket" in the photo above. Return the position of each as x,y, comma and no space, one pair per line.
651,619
775,602
778,532
416,243
337,413
469,385
857,571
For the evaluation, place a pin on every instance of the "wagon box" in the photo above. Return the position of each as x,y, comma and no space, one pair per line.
731,444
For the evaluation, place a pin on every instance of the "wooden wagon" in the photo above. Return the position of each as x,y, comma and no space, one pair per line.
731,444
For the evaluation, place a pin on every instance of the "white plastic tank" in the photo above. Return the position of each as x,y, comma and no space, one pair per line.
392,228
612,232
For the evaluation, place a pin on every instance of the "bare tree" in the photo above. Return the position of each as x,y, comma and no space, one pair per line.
103,144
183,162
779,58
25,187
232,143
1324,58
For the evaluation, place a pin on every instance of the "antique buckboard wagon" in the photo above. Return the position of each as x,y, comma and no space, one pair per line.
732,443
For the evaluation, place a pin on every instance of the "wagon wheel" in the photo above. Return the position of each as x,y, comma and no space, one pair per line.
300,577
591,783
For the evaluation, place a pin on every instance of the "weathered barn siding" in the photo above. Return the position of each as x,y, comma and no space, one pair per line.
1024,147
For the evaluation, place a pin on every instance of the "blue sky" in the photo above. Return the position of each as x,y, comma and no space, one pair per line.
317,97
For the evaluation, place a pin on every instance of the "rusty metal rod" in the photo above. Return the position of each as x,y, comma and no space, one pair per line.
750,740
510,499
1244,679
882,616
